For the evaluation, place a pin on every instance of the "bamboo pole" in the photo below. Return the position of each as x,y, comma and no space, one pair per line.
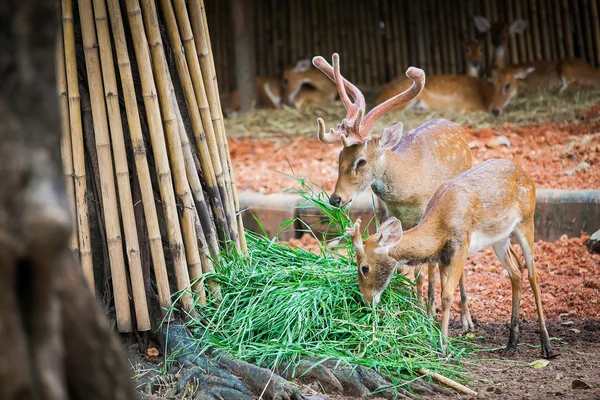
105,164
442,37
545,34
596,21
79,173
202,127
521,39
66,145
200,24
111,96
330,24
179,251
366,45
528,33
558,29
139,153
390,54
513,39
535,29
415,25
205,88
276,24
165,95
452,30
568,34
447,381
464,29
578,29
311,7
589,38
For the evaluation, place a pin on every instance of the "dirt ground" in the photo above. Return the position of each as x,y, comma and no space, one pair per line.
496,376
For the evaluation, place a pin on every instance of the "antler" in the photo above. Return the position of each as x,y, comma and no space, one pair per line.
354,109
355,129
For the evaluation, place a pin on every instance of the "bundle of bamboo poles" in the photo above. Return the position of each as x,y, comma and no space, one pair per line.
144,152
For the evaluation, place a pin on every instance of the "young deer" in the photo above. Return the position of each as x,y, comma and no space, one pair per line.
402,169
462,92
482,207
474,58
547,74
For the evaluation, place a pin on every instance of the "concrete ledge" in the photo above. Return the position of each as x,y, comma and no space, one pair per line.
558,212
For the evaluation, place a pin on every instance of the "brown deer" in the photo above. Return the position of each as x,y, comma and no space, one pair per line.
300,85
462,92
482,207
547,74
403,170
474,57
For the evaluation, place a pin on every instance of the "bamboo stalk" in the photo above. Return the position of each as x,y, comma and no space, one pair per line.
105,164
367,62
528,33
66,145
139,153
448,382
488,38
545,34
452,30
204,88
558,29
202,127
389,52
425,47
441,37
464,35
179,251
513,39
535,29
331,22
589,38
578,28
552,32
259,36
165,94
276,24
314,32
111,95
596,21
201,26
79,173
521,39
415,25
568,34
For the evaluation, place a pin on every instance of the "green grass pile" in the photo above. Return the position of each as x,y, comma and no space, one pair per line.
281,303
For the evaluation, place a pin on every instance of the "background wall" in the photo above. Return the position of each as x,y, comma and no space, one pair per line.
378,39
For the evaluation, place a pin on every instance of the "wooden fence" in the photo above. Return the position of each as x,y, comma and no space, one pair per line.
379,39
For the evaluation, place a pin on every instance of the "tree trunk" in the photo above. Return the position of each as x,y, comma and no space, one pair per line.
242,13
52,330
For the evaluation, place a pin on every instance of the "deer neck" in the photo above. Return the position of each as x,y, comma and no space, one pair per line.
486,89
499,57
421,244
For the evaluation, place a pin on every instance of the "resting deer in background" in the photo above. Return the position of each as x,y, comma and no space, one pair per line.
403,170
547,74
482,207
462,92
301,85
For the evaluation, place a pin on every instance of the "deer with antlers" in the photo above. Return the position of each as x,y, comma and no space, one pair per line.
402,169
482,207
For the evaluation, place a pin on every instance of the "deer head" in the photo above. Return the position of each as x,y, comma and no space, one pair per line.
375,266
362,158
474,57
500,32
302,82
505,84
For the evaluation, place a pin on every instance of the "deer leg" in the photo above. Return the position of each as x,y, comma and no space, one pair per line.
450,276
505,254
524,233
431,290
419,279
465,314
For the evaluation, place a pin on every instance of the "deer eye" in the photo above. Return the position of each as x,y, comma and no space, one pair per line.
361,163
284,81
506,87
364,269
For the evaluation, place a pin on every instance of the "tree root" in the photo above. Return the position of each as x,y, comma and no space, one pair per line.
215,374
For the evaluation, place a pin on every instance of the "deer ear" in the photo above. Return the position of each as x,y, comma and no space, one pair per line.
355,235
518,26
481,23
390,234
522,74
302,66
391,136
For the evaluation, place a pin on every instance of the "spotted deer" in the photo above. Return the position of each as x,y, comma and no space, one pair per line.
402,169
461,92
546,74
481,207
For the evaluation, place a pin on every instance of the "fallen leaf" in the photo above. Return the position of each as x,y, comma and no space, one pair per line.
152,352
537,364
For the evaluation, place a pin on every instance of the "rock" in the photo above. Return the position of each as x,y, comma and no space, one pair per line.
568,323
503,141
569,172
475,144
583,166
579,384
